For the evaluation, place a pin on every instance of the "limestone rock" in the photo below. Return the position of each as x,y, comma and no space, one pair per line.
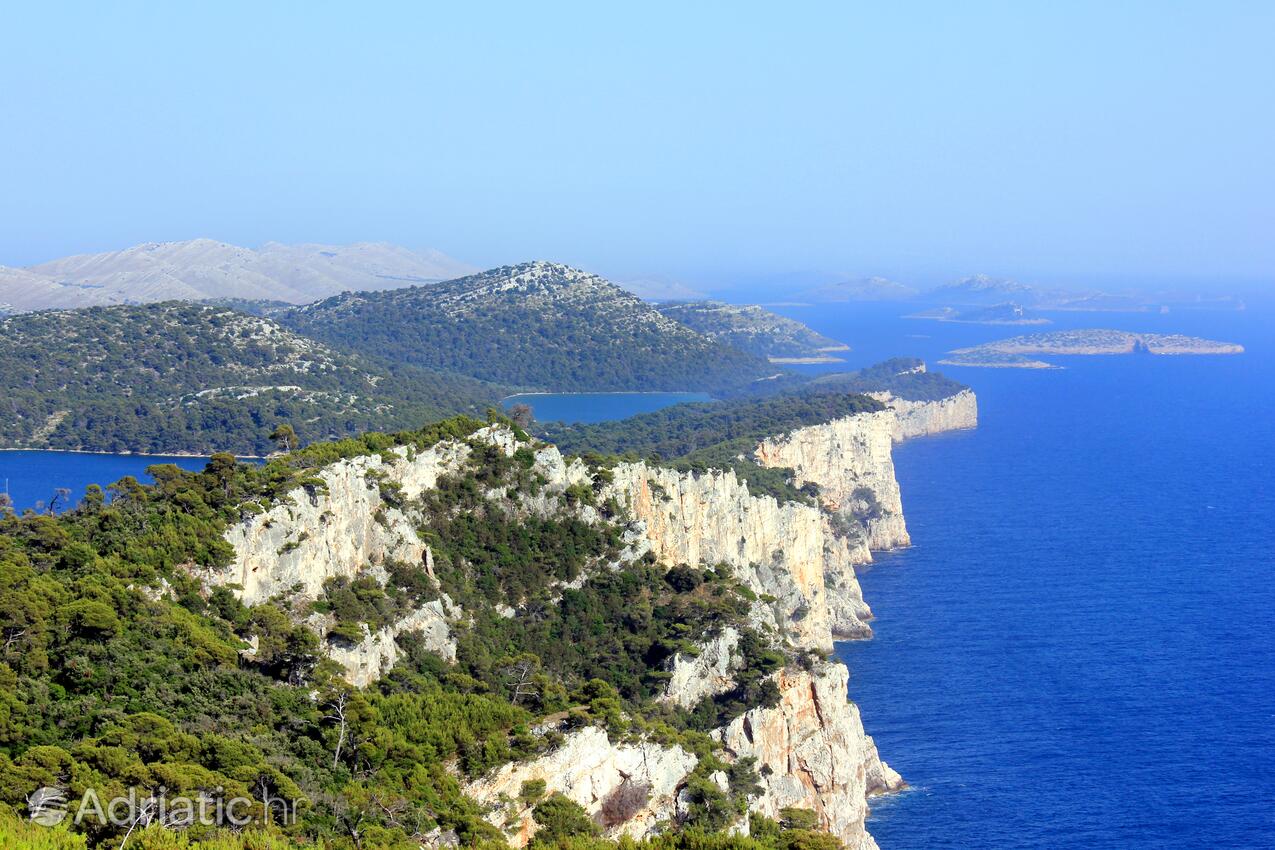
851,461
813,753
626,788
925,418
707,674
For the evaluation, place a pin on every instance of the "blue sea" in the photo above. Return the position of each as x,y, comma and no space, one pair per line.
32,478
1078,651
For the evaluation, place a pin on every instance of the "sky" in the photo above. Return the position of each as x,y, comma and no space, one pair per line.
1046,141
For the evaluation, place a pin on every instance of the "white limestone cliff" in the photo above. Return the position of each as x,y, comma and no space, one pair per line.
851,461
627,788
812,753
339,528
779,551
925,418
707,674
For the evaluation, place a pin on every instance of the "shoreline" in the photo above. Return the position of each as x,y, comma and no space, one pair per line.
130,454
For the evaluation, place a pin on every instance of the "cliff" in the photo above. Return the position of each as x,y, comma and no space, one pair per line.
782,552
925,418
813,753
851,461
798,561
627,788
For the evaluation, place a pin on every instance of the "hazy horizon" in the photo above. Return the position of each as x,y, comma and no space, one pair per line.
718,147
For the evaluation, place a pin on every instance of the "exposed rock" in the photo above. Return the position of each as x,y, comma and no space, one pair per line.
851,461
707,674
924,418
626,788
813,753
374,656
341,528
777,550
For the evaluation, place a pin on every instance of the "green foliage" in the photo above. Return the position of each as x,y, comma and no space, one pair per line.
560,818
564,331
178,377
898,376
117,670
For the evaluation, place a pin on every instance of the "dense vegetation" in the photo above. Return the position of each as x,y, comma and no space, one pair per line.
177,378
536,326
750,328
903,377
118,669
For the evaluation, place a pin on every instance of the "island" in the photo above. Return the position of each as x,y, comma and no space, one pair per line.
999,314
1012,353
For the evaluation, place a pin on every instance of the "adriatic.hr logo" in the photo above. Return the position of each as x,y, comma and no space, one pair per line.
47,806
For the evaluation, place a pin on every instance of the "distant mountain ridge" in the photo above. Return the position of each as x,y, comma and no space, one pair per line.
200,269
536,325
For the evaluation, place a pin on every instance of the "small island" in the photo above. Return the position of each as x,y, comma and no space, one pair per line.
1013,352
1000,314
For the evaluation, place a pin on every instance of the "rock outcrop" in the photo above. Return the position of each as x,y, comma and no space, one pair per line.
707,674
798,559
378,651
626,788
338,526
780,551
925,418
813,753
851,461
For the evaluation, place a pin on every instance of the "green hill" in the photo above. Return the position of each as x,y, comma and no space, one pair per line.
535,326
751,328
188,378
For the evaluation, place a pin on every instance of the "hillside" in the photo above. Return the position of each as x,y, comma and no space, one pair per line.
535,326
201,269
447,637
177,378
758,331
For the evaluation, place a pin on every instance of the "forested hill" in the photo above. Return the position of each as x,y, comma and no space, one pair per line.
536,326
120,669
754,329
179,377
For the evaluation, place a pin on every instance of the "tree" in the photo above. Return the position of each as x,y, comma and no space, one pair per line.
285,437
522,415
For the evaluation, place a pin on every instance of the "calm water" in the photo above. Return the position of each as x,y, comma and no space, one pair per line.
32,477
597,407
1078,651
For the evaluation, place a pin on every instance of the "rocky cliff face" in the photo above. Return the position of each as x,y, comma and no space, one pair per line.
780,551
813,753
851,461
626,788
925,418
811,748
340,527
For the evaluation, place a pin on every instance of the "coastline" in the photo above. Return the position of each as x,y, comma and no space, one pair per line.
126,454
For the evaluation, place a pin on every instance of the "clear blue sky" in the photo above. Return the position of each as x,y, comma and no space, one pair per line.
1045,140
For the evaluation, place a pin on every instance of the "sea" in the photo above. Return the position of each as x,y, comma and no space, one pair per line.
1078,650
